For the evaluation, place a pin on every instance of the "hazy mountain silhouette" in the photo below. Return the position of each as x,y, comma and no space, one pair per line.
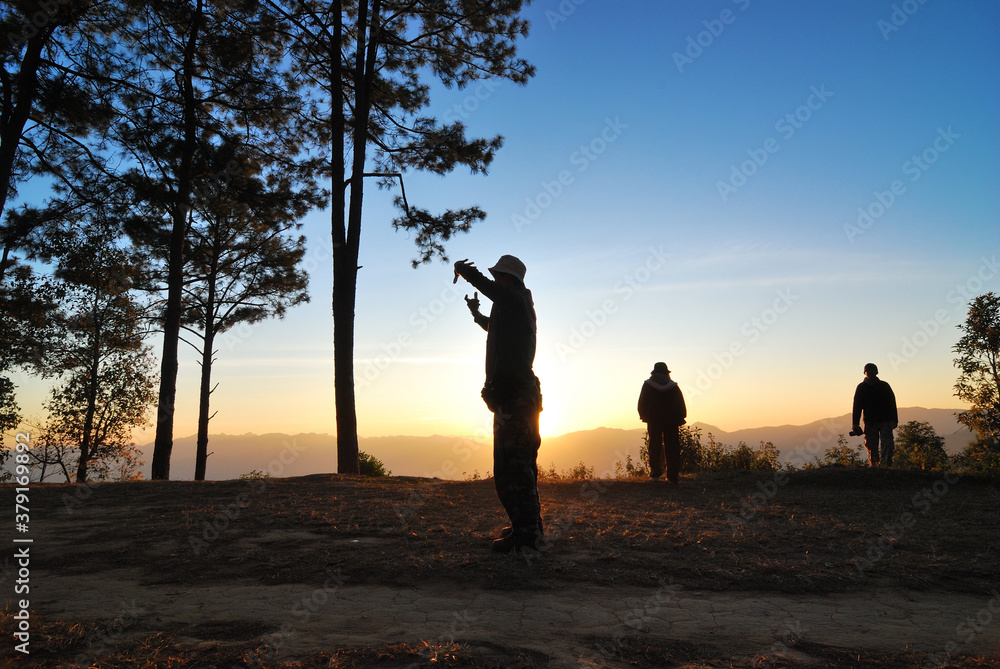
458,458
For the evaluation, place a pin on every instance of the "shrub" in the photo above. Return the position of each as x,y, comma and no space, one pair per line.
715,456
982,455
840,455
919,447
369,465
581,471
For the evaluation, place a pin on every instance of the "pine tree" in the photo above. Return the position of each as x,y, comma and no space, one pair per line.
368,61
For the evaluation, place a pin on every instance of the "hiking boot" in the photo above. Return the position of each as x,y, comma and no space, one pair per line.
514,542
506,532
504,544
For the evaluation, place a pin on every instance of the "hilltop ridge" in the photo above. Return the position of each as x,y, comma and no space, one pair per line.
456,457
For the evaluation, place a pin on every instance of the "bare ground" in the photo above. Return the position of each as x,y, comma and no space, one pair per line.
867,568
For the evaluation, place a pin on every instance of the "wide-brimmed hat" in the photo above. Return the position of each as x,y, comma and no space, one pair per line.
510,265
660,368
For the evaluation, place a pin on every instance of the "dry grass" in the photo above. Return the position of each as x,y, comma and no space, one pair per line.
808,533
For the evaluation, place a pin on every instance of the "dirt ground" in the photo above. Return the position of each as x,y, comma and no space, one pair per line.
830,568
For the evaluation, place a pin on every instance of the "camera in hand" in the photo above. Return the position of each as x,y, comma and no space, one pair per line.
856,432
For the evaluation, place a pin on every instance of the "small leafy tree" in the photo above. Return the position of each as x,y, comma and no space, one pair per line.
919,447
107,384
369,465
979,361
841,455
982,455
242,261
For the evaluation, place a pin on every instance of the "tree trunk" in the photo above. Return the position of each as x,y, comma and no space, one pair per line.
164,441
207,353
15,119
201,458
345,270
92,388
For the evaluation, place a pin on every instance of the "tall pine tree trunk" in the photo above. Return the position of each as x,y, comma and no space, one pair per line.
15,115
201,458
164,441
346,246
93,383
207,353
343,283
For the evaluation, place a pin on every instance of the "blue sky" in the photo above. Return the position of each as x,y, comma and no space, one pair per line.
704,212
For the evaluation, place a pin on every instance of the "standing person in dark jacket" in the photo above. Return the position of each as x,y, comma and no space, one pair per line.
662,408
875,399
512,392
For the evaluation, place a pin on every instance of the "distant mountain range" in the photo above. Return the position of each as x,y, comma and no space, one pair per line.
458,457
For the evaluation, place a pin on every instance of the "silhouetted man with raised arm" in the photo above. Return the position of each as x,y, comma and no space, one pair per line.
512,393
875,399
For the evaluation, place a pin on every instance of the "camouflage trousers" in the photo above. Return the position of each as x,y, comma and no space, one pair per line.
879,454
664,450
515,465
